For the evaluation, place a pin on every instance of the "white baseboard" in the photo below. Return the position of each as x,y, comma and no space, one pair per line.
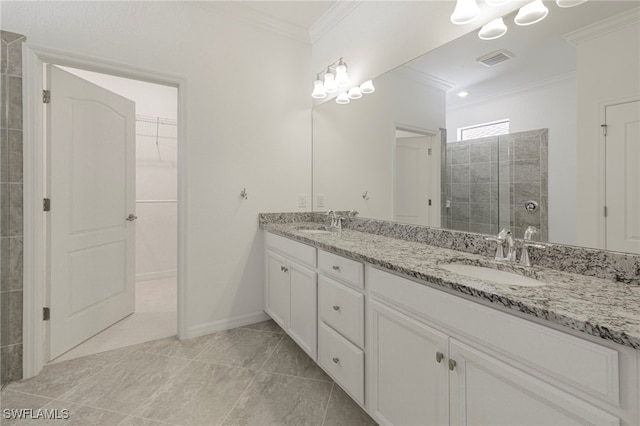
148,276
225,324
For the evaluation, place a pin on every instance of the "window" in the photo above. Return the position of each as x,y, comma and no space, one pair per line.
483,130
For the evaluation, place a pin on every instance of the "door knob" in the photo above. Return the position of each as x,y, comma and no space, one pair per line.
132,217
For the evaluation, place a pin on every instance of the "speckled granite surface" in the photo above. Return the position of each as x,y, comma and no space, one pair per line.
600,307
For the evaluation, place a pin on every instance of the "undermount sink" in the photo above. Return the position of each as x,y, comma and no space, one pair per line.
492,275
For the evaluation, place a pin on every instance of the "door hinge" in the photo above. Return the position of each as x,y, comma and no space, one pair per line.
46,96
46,314
606,211
46,205
429,201
604,129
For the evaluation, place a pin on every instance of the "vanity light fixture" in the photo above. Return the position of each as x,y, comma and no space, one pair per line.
342,79
330,85
466,11
354,93
367,87
318,89
493,30
531,13
343,98
569,3
496,2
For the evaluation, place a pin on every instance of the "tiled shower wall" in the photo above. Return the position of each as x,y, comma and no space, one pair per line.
488,181
11,207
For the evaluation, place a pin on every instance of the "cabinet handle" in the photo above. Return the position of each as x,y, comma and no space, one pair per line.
336,268
283,269
439,357
336,307
336,360
452,364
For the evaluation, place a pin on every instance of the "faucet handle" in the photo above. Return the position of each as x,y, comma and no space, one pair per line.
353,213
528,233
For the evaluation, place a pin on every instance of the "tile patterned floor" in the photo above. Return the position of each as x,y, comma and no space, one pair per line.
253,375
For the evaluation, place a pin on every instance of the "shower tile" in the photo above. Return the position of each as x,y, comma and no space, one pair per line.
291,360
523,192
11,363
460,212
480,173
14,158
480,213
524,219
9,37
460,192
344,411
14,91
480,193
495,175
460,174
3,58
494,214
495,194
240,348
526,171
480,152
14,334
207,393
4,97
4,155
494,149
11,263
15,210
459,226
299,401
480,228
460,153
527,147
14,57
4,209
544,183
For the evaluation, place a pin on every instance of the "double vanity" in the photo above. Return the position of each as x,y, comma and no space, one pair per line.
421,334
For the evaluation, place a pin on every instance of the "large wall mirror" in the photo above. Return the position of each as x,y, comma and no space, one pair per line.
528,130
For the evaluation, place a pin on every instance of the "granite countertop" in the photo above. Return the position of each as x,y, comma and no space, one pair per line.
602,308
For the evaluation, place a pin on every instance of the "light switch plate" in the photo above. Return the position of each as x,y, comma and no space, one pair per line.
302,200
320,200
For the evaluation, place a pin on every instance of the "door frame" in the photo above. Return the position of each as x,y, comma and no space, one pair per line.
434,175
602,167
34,163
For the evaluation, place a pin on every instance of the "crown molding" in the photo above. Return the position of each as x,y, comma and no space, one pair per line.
256,18
331,18
603,27
540,83
422,77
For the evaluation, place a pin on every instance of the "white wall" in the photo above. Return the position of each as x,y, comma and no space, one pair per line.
551,105
608,71
240,131
156,172
353,144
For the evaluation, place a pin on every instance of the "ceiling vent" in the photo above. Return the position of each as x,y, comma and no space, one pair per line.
494,58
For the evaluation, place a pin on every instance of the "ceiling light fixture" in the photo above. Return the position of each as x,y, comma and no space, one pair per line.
334,79
493,30
466,11
531,13
367,87
569,3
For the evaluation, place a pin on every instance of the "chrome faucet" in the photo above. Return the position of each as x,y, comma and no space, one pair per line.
528,234
500,239
335,223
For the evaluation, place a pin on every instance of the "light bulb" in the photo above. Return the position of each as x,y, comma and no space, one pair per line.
318,89
330,83
465,12
569,3
492,30
496,2
342,79
367,87
355,93
531,13
343,98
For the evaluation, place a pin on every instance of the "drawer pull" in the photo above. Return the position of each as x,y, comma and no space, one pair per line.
336,307
452,364
284,269
439,357
336,268
336,360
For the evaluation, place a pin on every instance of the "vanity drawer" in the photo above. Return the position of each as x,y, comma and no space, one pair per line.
292,249
342,360
342,308
347,270
569,362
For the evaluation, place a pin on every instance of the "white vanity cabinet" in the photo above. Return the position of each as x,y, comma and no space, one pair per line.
291,289
435,359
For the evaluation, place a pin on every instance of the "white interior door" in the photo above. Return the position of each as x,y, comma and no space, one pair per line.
412,192
91,141
623,177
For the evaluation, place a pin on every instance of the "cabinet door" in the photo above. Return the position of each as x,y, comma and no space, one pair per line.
407,381
303,319
276,298
486,391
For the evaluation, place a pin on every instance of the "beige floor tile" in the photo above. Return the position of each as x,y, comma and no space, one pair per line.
10,400
78,415
290,359
124,386
343,411
56,379
240,347
202,394
283,400
137,421
269,325
171,346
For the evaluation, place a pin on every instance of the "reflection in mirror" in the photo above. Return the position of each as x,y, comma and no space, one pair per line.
564,77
